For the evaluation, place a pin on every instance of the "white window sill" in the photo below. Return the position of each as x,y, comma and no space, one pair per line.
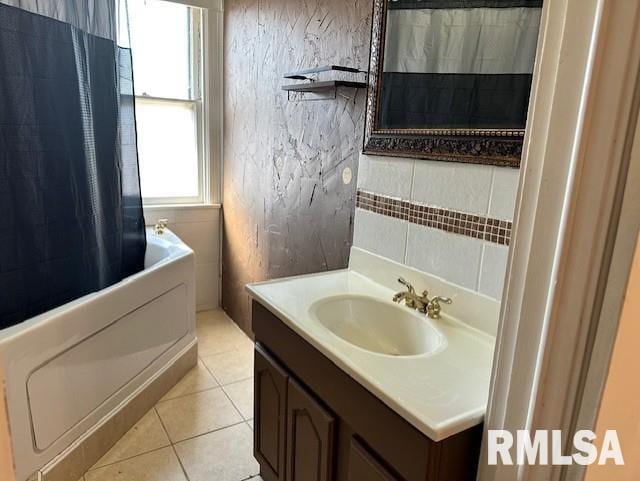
160,207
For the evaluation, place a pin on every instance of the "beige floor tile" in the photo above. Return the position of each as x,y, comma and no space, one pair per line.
195,414
202,456
221,337
161,465
147,435
250,423
232,366
241,394
197,380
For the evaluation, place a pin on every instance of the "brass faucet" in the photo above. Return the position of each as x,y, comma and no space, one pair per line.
161,226
430,307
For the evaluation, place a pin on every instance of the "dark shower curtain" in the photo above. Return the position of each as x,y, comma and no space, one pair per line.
71,218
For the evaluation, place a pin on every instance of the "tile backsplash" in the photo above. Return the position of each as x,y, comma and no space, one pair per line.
437,231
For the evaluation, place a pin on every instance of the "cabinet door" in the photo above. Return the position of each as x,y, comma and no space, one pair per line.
270,416
364,467
310,437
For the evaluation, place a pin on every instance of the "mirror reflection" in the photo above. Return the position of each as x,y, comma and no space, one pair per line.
457,64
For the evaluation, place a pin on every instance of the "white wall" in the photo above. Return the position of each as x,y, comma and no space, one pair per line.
199,228
619,408
478,189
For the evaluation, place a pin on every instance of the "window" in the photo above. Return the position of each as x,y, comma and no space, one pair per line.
166,43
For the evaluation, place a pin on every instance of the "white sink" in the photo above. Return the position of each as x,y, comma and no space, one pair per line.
376,326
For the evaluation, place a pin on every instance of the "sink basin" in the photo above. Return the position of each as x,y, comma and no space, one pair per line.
376,326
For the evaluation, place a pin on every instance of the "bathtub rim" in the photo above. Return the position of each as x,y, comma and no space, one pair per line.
169,242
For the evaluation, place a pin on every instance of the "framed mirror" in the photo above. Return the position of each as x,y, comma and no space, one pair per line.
451,79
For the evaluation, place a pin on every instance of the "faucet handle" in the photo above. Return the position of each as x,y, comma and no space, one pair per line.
444,300
433,307
407,285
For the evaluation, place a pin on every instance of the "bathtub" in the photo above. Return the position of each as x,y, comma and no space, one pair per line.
70,369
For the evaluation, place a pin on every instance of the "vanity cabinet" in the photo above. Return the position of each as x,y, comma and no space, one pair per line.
310,437
313,422
270,391
362,465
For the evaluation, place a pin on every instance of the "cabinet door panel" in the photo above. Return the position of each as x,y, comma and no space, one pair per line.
364,467
270,416
310,437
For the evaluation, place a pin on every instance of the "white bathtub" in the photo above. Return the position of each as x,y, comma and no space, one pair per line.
71,368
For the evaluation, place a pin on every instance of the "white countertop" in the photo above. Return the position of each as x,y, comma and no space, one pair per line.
440,393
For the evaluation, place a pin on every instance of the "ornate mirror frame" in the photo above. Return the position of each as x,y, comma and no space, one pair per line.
485,146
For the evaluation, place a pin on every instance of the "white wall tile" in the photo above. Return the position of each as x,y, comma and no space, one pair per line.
198,214
504,192
207,286
463,187
492,272
202,237
152,216
453,257
390,176
199,228
381,235
479,189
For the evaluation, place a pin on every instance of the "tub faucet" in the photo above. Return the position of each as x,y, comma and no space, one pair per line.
430,307
161,226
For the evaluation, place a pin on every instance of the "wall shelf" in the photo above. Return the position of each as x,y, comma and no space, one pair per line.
311,85
323,86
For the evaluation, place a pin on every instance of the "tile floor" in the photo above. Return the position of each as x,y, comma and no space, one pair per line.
201,430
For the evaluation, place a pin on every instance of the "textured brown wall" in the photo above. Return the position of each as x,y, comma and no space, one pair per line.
286,209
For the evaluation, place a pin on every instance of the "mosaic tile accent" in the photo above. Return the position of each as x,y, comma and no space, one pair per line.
470,225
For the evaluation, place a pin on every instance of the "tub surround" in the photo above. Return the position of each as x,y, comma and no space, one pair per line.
440,393
198,226
437,245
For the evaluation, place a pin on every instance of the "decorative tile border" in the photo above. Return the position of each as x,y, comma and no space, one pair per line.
462,223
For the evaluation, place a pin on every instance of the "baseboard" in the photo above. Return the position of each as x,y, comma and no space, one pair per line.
76,460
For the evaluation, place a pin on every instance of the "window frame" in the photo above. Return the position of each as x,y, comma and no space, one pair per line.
198,58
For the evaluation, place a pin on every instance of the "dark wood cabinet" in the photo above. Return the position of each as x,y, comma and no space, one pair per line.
310,437
313,422
270,416
364,467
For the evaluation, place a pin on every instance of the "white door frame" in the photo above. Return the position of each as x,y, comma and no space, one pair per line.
566,238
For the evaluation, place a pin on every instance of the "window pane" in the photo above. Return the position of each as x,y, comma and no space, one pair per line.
167,147
161,48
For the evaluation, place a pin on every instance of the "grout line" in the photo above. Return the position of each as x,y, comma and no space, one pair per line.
173,447
413,180
139,454
225,392
481,266
209,432
162,401
405,259
232,401
236,381
131,457
233,404
491,191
